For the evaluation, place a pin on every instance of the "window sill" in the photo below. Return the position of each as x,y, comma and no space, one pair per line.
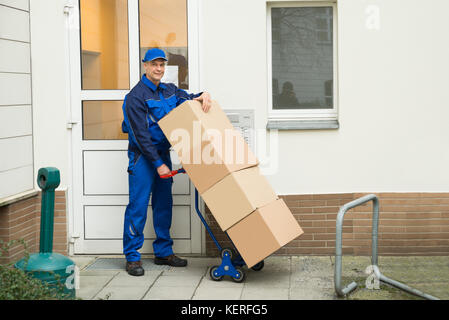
299,124
18,197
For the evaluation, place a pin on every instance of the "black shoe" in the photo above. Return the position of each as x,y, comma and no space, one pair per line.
134,268
171,260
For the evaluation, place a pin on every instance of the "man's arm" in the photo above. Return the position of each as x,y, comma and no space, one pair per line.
136,113
203,97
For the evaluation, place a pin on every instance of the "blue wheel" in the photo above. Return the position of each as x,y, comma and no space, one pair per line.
239,275
229,252
214,275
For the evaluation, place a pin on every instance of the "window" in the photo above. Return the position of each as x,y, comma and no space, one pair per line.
102,120
302,51
168,34
104,44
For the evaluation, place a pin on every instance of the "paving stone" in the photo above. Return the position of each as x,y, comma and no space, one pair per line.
81,262
188,271
89,286
277,264
283,277
175,281
87,293
95,280
225,293
123,279
170,293
100,273
267,278
121,293
227,282
202,262
253,293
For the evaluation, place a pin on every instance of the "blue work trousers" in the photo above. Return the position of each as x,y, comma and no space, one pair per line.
143,181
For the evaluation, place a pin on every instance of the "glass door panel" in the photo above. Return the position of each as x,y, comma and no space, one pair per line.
102,120
163,24
104,44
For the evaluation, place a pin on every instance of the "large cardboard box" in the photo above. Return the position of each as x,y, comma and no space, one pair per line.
237,195
264,231
207,144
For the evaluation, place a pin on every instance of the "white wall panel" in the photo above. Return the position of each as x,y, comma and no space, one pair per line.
19,4
106,222
15,89
16,181
14,24
16,153
15,121
14,56
16,141
105,172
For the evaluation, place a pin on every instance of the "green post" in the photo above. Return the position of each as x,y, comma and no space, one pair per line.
48,180
52,268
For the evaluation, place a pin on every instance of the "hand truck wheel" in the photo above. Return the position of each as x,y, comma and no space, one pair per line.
227,251
214,274
258,266
239,276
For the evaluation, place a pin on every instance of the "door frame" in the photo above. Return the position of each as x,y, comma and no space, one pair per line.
75,218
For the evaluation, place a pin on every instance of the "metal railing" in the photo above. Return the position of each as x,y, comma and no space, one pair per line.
343,291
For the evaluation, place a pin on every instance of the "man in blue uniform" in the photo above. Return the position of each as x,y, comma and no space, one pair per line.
149,158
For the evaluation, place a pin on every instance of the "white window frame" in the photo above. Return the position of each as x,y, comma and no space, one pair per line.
300,115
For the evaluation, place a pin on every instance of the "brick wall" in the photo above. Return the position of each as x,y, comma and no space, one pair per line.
409,224
21,220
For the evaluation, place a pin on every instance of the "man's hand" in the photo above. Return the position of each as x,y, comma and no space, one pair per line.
206,101
163,170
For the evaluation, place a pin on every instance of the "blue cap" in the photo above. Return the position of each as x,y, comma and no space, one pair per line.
154,53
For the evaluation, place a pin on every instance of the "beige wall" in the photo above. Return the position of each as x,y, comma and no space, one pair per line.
392,94
393,97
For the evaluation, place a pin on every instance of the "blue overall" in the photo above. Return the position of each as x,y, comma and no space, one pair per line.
148,149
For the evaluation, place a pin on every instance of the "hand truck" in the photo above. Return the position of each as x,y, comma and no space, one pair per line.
231,261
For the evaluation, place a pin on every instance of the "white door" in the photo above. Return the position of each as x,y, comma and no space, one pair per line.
106,41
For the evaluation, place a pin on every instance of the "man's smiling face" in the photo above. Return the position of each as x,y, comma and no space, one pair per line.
155,70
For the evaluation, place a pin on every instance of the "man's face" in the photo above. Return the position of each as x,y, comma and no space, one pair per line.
155,69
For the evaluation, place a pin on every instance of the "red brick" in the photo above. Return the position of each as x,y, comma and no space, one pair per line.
323,236
311,203
328,210
312,243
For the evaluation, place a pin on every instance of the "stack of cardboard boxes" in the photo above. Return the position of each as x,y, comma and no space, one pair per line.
226,174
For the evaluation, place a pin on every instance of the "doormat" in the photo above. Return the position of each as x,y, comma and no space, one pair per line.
120,264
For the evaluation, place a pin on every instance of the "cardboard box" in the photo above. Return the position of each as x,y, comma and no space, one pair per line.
237,195
207,144
264,231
